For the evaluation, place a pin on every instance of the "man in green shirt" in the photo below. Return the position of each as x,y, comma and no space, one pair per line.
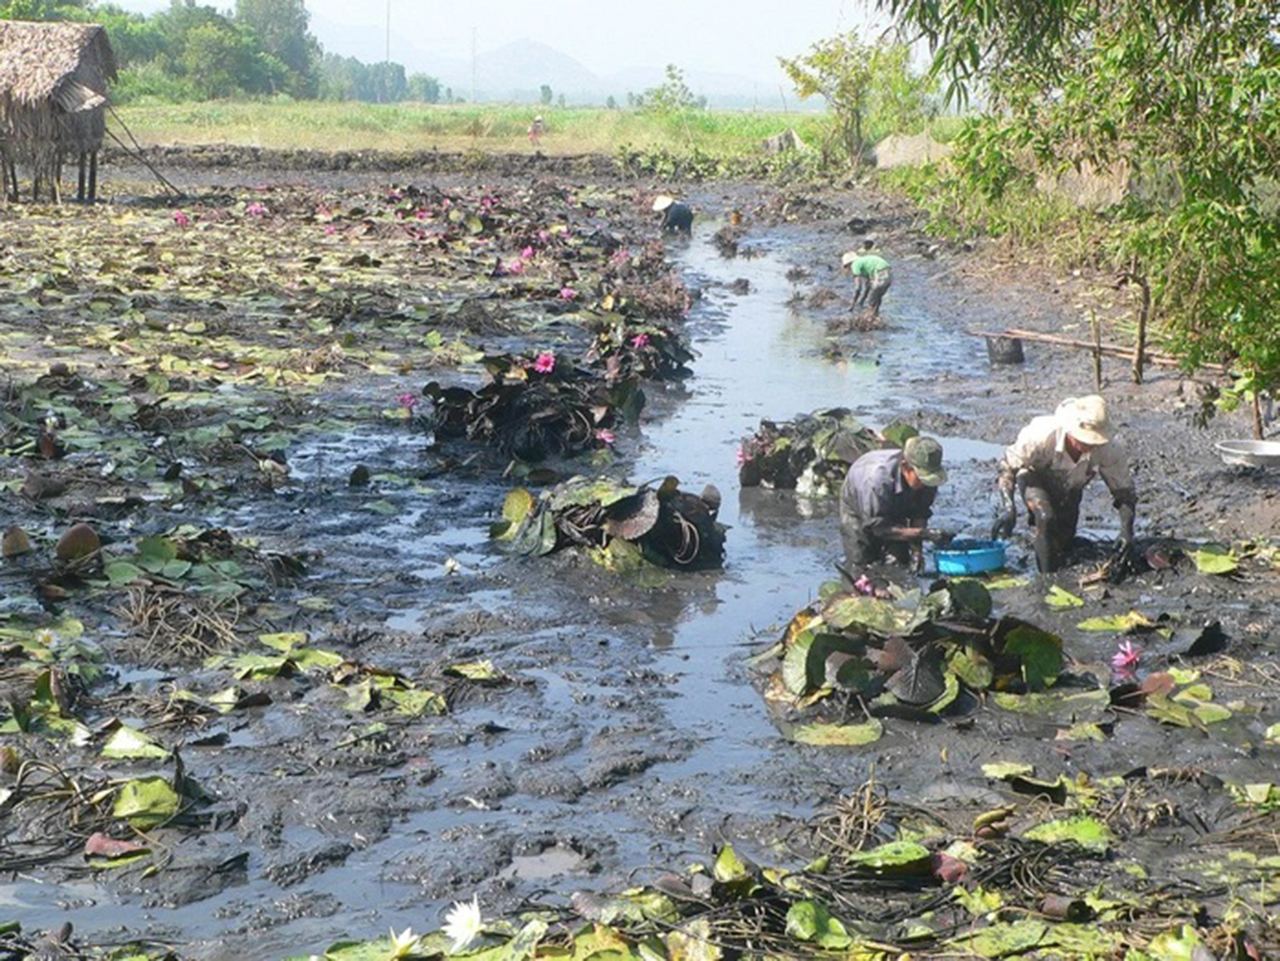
871,277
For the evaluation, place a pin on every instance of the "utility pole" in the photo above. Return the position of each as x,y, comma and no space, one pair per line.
474,33
388,31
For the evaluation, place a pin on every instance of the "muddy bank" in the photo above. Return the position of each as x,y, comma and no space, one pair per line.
619,732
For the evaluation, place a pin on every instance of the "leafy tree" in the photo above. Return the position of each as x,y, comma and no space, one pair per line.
865,86
545,93
135,38
673,96
424,88
1184,95
282,28
211,59
610,103
43,10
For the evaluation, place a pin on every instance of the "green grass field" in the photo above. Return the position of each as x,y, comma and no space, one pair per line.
410,126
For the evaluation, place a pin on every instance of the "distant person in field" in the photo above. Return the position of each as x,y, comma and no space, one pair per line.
535,132
677,217
871,276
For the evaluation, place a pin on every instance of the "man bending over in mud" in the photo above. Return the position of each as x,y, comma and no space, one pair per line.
1051,463
871,277
886,502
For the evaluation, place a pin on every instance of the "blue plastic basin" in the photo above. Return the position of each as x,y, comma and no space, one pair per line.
970,556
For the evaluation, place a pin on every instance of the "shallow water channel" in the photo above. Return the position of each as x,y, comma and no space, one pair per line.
758,359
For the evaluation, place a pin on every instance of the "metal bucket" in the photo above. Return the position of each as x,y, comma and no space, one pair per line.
1005,350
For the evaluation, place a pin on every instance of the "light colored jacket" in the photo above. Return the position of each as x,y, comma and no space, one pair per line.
1041,449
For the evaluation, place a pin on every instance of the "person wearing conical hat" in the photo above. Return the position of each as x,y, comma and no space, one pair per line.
677,217
871,276
886,502
1052,461
535,132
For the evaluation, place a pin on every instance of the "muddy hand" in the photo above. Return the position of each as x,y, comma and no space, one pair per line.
1002,529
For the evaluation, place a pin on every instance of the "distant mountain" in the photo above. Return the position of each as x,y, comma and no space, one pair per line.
516,71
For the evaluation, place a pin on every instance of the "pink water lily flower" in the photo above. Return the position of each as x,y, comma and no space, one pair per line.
567,293
526,254
620,256
543,236
606,436
256,209
407,401
515,267
423,215
1126,659
330,229
487,202
640,341
545,362
181,219
863,585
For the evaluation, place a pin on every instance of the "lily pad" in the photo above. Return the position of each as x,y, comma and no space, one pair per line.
839,735
127,743
1061,598
1117,623
1071,706
147,802
1090,833
810,921
895,858
1215,560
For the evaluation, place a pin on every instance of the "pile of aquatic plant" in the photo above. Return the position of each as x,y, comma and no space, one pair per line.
912,654
642,285
809,454
621,526
628,350
535,407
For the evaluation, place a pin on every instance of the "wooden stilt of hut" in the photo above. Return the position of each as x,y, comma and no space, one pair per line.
53,99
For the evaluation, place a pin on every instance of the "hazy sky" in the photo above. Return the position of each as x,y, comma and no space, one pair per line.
729,36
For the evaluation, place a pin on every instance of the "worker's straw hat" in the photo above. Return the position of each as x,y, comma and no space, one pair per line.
662,202
849,258
1085,419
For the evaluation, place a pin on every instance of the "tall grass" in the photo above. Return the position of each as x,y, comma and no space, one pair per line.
457,127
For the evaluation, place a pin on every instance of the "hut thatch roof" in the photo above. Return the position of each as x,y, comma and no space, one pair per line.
69,63
53,91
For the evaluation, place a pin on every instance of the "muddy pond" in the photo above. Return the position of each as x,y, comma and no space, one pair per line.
572,729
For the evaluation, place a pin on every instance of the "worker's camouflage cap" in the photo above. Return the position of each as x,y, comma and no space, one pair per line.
924,454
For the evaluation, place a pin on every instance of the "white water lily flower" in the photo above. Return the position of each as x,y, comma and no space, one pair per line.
462,923
404,944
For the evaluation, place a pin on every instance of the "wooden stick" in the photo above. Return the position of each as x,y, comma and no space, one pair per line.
1140,344
1097,349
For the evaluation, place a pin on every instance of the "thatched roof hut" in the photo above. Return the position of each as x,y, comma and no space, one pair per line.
53,91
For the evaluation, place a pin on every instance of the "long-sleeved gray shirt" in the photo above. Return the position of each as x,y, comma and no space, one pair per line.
875,496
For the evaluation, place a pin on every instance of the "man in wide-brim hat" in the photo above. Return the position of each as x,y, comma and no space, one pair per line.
1052,461
677,217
